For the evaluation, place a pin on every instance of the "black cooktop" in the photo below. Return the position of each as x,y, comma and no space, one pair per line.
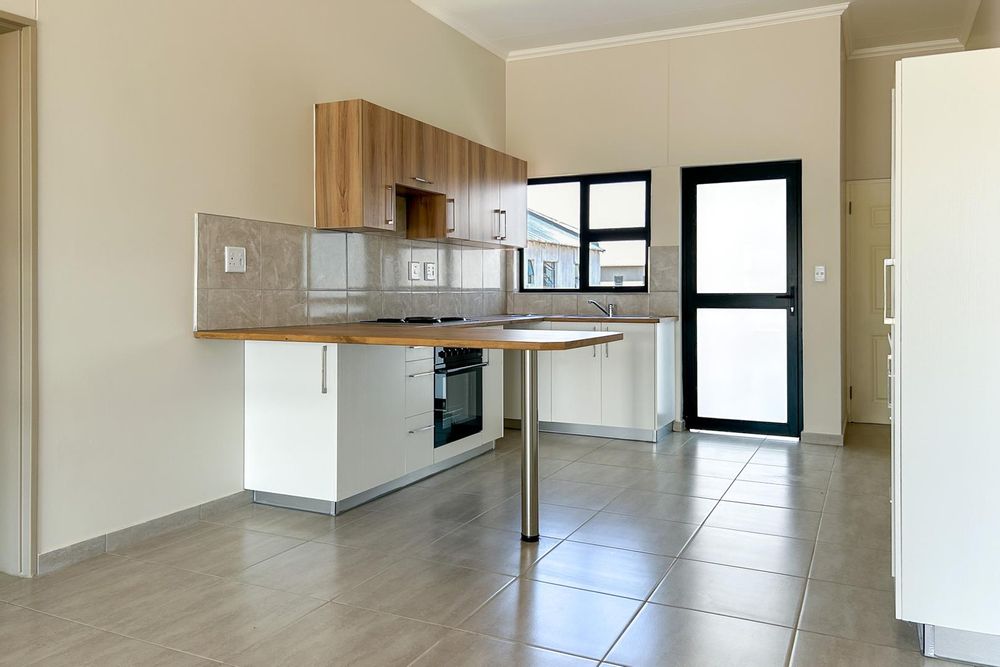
418,319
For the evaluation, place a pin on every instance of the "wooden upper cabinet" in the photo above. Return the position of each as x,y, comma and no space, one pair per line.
367,156
357,165
514,201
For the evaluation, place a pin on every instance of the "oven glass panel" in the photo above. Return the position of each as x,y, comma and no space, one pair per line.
458,404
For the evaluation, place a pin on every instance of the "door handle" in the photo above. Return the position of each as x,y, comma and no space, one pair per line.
422,428
322,387
419,179
790,297
498,236
451,227
503,217
390,207
420,375
886,319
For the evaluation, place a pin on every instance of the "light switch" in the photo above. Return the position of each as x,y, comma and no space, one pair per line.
414,270
819,274
430,271
236,259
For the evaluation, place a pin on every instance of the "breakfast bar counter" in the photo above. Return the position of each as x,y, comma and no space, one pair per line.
473,335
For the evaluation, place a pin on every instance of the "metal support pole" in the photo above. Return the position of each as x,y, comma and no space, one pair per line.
529,445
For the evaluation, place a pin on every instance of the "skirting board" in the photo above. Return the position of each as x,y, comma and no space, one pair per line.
821,438
598,431
960,645
57,559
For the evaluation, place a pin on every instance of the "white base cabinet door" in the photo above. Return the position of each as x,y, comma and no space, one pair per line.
576,380
512,379
628,377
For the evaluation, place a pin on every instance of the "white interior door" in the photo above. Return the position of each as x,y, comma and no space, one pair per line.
868,231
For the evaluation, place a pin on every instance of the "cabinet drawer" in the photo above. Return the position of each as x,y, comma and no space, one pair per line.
418,439
419,387
417,352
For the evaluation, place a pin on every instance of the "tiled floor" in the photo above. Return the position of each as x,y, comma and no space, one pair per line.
699,550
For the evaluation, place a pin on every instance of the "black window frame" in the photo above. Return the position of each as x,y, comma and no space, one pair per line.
588,235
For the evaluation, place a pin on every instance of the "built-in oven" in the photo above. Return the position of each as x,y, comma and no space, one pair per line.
458,393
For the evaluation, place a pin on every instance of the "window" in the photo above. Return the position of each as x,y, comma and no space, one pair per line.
549,274
598,224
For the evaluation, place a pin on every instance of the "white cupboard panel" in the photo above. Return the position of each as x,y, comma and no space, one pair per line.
628,377
290,423
512,379
576,380
418,441
419,387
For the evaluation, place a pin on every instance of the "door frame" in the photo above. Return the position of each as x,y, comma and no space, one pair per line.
791,170
849,276
28,408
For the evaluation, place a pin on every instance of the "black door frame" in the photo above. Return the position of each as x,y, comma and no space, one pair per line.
691,177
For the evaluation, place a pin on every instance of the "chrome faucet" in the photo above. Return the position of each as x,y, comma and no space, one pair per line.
609,311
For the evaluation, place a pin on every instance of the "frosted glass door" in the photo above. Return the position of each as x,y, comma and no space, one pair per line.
740,242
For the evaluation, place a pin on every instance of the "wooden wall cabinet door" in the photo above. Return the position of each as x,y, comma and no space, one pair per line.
484,194
357,165
457,187
513,201
425,156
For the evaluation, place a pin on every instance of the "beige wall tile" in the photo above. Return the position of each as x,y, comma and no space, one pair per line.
630,304
472,268
423,303
564,304
327,307
283,250
364,261
424,252
395,304
449,303
327,260
228,308
395,260
222,232
664,303
536,304
364,306
450,267
664,268
494,271
473,304
283,308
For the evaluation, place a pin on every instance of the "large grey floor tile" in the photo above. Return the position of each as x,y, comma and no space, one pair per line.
290,523
28,637
218,621
318,570
555,521
792,476
465,649
776,495
693,465
442,506
556,617
861,614
482,548
386,531
873,484
576,494
872,531
222,552
670,637
793,458
813,650
857,504
433,592
493,485
627,458
669,444
144,547
784,555
764,519
602,569
681,484
340,635
706,446
670,507
655,536
111,593
732,591
593,473
853,565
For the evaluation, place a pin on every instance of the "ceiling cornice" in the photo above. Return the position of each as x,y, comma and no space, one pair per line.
677,33
969,20
913,48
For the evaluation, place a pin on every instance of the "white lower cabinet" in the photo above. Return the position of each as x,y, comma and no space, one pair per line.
512,378
623,389
329,422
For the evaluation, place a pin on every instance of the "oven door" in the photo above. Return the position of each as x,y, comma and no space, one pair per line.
458,403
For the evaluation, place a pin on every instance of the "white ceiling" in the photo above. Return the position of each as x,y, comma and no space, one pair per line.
526,28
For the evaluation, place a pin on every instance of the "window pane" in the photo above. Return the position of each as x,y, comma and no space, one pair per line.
617,263
742,232
553,236
742,364
618,205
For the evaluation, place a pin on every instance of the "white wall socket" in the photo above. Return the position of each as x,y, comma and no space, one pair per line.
819,274
236,259
414,270
430,271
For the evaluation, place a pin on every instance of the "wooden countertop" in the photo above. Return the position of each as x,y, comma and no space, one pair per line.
426,335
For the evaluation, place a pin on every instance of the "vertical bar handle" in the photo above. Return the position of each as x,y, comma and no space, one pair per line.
886,319
503,216
499,235
390,207
322,388
451,226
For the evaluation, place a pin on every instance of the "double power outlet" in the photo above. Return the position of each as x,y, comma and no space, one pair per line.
429,271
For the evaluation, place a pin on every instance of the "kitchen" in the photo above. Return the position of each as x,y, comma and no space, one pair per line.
543,481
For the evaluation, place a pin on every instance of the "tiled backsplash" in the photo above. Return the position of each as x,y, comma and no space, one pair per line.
298,275
662,299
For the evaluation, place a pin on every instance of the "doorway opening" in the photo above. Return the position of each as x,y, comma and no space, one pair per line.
18,363
741,228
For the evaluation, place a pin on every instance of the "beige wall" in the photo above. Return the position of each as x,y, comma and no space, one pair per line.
985,33
730,97
25,8
150,111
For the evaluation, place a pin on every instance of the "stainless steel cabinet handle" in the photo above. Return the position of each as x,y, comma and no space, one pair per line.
322,388
593,348
390,207
451,227
422,428
606,346
498,236
428,181
886,319
418,347
420,375
503,217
